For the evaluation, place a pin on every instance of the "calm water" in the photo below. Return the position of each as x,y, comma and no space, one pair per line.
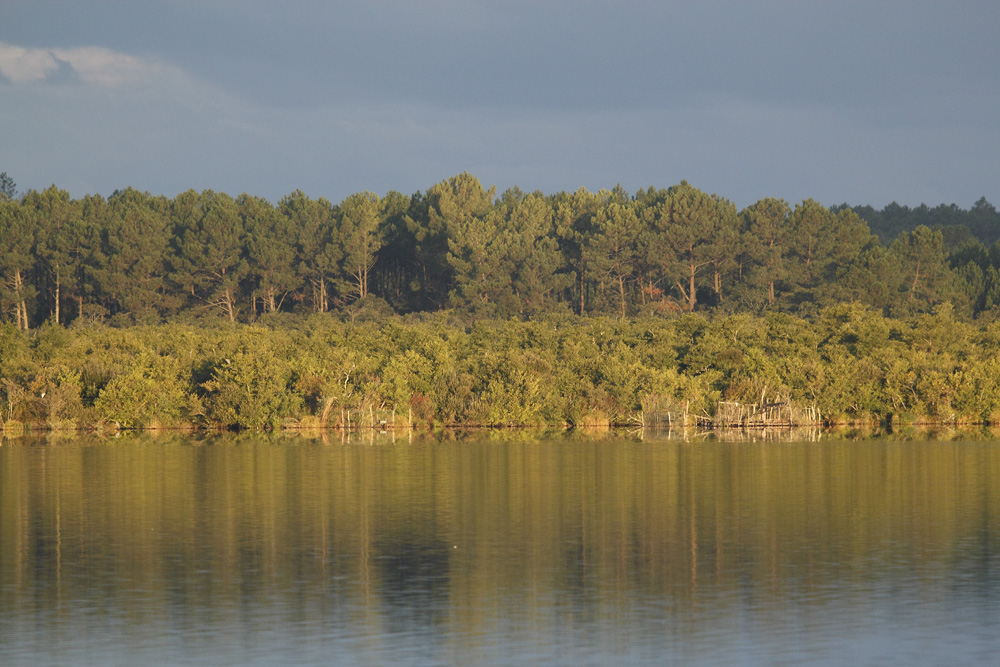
499,548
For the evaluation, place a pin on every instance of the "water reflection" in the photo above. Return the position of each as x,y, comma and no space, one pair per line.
498,546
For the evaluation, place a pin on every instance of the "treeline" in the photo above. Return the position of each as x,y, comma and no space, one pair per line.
850,363
959,226
137,258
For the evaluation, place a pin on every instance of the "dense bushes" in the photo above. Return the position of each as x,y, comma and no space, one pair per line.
851,363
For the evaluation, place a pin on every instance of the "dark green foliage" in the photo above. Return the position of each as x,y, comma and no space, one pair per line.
508,262
767,234
361,234
610,251
318,250
211,258
927,278
17,241
223,307
434,220
982,220
698,237
8,188
270,254
137,258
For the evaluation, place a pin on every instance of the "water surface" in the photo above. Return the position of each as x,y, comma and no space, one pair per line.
499,548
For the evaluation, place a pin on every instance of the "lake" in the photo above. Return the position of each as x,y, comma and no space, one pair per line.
500,547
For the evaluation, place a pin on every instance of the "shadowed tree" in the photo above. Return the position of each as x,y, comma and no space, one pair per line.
507,261
872,278
136,254
396,265
980,280
8,188
270,252
697,232
444,208
478,258
574,217
984,221
924,266
540,273
318,251
810,242
651,249
765,233
821,241
17,241
848,240
85,247
724,248
211,260
610,250
58,223
361,238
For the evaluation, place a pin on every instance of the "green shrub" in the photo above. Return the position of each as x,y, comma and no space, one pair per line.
252,390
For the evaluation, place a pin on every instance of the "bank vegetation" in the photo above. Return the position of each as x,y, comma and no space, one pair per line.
850,364
458,306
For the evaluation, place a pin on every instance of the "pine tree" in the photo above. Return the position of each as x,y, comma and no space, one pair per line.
360,238
17,242
270,252
211,259
765,234
442,210
610,251
318,251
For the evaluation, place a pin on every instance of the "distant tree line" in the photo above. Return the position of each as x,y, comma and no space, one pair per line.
959,226
139,258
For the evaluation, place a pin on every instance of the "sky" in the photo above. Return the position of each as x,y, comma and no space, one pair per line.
840,101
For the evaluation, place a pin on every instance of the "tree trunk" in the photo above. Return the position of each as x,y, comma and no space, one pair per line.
362,281
916,279
692,297
230,310
22,309
621,292
57,297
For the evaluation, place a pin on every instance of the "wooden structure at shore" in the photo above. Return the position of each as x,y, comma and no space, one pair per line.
766,414
730,414
657,413
369,418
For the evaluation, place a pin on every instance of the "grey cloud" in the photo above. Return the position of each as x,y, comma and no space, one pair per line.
841,101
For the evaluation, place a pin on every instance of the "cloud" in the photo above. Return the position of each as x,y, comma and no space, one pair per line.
93,119
90,64
334,98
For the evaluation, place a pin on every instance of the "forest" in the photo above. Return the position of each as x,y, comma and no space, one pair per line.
461,306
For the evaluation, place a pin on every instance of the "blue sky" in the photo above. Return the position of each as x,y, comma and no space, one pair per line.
859,102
